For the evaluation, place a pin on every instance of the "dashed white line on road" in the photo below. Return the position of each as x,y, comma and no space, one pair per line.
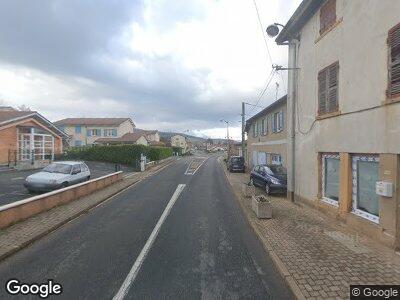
17,178
124,289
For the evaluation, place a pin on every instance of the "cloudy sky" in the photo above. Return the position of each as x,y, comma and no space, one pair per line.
172,65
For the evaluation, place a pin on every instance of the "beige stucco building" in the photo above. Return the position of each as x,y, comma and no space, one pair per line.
85,131
346,94
179,141
267,135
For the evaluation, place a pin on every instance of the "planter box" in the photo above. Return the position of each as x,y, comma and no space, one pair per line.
248,191
263,210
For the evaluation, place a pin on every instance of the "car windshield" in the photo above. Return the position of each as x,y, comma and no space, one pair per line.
58,168
278,170
237,159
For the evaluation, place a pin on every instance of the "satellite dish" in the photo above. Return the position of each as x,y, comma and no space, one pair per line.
272,30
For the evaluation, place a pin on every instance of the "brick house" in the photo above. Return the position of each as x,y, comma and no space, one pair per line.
27,139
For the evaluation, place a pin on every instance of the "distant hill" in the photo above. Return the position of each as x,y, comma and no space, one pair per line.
166,136
192,138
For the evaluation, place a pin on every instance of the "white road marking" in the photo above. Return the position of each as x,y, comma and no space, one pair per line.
187,172
17,178
142,256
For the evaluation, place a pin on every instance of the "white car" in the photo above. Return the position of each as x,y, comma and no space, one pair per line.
57,175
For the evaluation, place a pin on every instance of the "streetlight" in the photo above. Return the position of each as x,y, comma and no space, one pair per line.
273,31
227,136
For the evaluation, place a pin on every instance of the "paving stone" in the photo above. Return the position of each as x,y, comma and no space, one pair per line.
320,263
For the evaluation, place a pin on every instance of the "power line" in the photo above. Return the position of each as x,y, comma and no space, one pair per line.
262,31
264,90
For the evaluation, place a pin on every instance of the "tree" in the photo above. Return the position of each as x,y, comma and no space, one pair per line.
23,107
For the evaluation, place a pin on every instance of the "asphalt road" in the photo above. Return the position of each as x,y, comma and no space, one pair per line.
11,182
204,249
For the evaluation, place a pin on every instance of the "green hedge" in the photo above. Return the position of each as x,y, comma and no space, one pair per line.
123,154
177,150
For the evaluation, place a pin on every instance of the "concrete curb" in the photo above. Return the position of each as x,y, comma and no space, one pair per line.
140,176
291,282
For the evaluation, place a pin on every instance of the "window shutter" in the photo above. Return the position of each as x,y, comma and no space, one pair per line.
394,62
327,15
322,109
332,101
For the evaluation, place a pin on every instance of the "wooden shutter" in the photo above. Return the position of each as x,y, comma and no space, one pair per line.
327,15
328,85
394,62
332,101
322,95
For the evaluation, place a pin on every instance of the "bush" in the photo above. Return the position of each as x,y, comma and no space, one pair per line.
122,154
177,150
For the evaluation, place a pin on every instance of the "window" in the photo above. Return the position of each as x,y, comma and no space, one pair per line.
365,174
277,124
84,168
76,169
276,159
94,132
264,126
78,143
327,16
394,62
78,129
110,132
254,130
330,178
328,85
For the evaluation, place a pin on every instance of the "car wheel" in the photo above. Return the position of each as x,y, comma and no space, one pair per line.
64,184
267,189
87,178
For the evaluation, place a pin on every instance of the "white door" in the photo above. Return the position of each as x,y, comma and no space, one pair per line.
262,158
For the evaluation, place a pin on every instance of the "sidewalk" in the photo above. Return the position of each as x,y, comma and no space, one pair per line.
318,256
20,235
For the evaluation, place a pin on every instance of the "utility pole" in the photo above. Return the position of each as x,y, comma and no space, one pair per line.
227,137
243,128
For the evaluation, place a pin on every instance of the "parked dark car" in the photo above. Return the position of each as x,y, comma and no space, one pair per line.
273,178
236,164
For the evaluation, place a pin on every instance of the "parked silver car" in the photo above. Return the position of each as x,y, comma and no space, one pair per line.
57,175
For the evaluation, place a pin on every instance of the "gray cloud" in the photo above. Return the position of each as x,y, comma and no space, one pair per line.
75,39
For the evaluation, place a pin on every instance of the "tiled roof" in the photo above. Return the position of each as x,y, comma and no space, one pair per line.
155,143
265,111
145,131
92,121
9,115
126,138
303,13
